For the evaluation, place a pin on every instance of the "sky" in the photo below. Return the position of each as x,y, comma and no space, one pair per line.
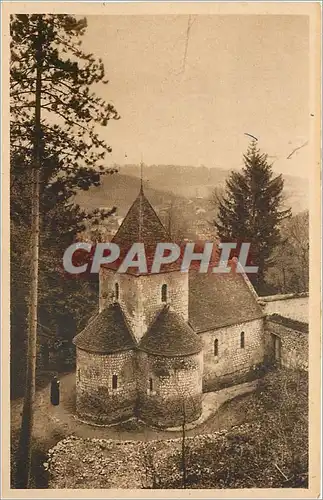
241,74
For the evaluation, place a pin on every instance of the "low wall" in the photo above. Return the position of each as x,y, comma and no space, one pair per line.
103,463
290,306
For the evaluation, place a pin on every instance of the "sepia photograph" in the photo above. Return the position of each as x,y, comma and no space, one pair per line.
161,310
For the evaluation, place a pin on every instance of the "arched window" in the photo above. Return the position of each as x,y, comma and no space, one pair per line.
116,291
164,293
216,347
114,381
151,385
242,340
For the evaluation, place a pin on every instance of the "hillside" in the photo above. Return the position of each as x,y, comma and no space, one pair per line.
182,216
120,191
185,181
166,182
200,181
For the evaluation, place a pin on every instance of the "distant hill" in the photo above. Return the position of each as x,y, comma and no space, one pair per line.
166,182
120,191
199,182
187,181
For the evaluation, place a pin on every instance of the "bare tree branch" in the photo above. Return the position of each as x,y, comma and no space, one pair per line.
296,149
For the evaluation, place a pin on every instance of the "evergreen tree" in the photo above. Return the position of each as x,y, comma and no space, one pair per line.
63,304
290,270
55,150
251,209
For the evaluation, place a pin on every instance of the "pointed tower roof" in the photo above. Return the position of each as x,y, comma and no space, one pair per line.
141,225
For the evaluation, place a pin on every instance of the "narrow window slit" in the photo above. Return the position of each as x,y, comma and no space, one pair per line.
116,291
242,342
216,347
164,293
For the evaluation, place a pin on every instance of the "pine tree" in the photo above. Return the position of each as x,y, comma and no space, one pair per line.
251,209
55,143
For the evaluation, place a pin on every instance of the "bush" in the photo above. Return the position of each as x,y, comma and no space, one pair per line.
269,452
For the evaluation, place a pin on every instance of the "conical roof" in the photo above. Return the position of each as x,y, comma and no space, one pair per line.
107,332
169,335
141,225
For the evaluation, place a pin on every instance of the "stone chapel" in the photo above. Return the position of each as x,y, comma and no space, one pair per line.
158,341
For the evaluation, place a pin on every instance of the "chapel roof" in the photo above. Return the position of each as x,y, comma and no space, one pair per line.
107,332
140,225
169,335
220,300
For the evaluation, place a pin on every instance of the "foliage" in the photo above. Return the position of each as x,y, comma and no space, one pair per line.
289,272
271,451
70,110
250,210
72,159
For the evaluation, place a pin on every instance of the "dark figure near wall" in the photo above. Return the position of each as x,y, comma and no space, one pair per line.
54,391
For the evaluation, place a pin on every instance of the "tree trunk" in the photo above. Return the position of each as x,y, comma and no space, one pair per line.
284,280
25,443
260,275
184,447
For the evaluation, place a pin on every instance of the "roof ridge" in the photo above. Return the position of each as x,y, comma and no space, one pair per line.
127,324
126,216
141,224
170,335
155,318
154,211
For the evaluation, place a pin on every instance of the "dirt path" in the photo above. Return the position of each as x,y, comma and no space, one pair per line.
53,423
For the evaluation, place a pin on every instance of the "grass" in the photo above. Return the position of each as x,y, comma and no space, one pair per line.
53,424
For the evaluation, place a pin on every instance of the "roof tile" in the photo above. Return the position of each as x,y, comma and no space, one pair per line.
141,225
107,332
169,335
219,300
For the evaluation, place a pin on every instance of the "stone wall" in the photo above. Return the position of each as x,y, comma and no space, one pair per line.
156,389
105,464
170,389
96,399
140,296
292,347
128,292
177,294
232,361
290,306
